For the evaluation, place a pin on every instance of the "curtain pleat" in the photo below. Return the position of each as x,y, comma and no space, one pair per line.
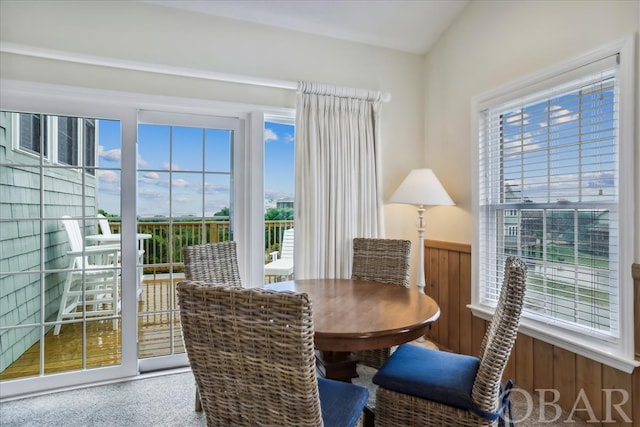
338,182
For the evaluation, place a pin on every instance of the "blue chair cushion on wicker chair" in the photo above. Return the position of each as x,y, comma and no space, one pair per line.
439,376
341,402
420,387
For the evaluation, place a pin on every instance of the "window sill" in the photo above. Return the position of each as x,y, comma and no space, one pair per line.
566,341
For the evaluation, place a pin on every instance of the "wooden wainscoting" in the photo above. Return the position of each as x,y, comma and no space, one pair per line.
534,364
635,272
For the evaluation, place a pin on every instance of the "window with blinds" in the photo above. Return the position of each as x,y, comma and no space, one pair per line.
31,127
548,192
69,139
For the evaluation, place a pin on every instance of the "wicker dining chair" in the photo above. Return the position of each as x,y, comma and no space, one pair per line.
252,354
215,263
212,262
423,387
384,261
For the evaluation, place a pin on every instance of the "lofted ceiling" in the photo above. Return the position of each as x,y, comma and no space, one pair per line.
406,25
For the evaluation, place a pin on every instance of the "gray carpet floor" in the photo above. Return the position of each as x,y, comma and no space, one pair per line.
164,400
159,401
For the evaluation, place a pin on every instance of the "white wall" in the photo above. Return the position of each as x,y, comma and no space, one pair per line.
427,124
493,43
141,32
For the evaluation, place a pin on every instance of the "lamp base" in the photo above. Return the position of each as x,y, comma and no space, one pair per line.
421,229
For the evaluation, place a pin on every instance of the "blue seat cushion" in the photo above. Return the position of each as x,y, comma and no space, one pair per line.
439,376
341,403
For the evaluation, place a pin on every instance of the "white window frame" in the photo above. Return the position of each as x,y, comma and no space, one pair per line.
619,353
253,160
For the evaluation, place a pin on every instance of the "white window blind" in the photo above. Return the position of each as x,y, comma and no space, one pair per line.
549,193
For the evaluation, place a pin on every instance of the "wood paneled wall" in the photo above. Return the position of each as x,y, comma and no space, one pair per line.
635,272
534,364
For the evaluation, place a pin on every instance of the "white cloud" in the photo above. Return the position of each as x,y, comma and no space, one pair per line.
150,178
183,199
562,115
108,176
141,162
114,155
153,178
270,135
180,183
172,166
215,188
147,193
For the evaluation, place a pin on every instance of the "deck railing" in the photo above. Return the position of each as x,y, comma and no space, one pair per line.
163,252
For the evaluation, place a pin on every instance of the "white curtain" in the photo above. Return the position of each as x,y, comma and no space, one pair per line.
338,181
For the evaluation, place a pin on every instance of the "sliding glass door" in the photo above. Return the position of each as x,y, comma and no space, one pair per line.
98,196
185,197
61,285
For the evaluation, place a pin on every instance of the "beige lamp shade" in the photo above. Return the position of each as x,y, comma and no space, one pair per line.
421,187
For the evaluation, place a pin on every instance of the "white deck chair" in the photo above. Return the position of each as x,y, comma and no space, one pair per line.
103,224
282,265
92,279
105,229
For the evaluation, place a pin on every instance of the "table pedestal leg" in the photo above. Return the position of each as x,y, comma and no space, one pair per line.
336,365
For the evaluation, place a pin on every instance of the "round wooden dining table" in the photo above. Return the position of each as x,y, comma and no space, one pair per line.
350,315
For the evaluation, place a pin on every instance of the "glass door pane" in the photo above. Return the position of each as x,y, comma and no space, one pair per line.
185,188
59,289
278,199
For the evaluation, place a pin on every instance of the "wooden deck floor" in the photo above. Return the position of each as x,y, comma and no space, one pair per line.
64,352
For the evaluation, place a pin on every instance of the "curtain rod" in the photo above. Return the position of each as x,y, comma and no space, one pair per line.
123,64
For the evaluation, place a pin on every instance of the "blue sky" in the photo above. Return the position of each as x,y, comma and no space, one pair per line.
187,151
571,138
279,160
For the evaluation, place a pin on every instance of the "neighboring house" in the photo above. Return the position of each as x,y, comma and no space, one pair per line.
510,222
523,224
20,203
598,232
284,203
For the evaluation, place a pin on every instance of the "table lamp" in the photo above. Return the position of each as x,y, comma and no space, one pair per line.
422,188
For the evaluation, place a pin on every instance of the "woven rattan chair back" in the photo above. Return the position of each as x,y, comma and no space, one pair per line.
500,336
384,261
395,408
381,260
212,262
252,354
